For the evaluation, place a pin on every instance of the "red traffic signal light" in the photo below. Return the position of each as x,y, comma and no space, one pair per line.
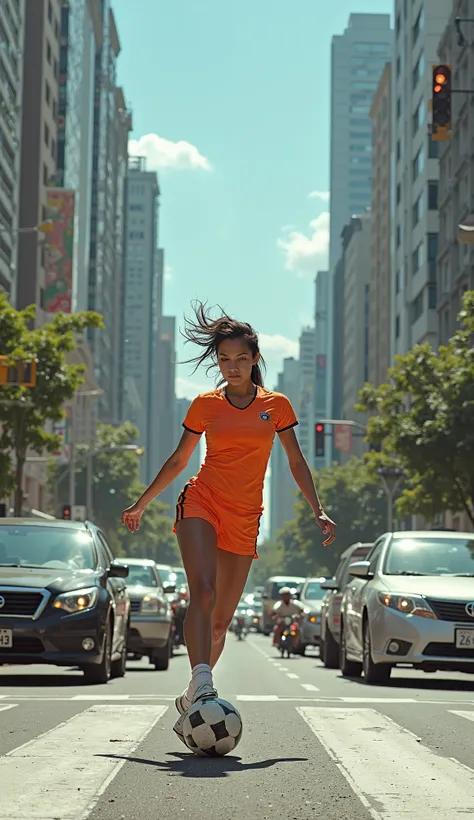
67,512
441,102
319,440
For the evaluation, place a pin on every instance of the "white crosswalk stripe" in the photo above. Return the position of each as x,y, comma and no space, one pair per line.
391,771
62,773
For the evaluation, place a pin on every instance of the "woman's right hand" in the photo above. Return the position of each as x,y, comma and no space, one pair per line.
132,515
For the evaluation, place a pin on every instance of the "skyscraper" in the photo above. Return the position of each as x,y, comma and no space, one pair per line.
307,375
418,27
11,45
282,484
358,58
38,141
321,288
166,406
139,322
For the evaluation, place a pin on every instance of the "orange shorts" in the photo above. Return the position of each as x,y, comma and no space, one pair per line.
237,531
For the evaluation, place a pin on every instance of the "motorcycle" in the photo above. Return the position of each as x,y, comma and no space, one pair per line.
239,627
178,609
288,637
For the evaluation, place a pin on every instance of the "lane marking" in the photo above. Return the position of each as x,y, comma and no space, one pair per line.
5,706
292,675
63,772
309,687
320,699
100,697
393,775
283,669
465,715
257,698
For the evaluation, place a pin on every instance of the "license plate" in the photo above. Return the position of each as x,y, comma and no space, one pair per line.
464,638
6,638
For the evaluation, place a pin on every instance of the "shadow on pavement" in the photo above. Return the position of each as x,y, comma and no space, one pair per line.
189,765
37,681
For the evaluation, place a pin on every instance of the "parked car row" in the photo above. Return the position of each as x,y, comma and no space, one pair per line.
66,600
407,599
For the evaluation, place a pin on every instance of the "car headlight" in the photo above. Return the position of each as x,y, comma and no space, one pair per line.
153,606
78,600
408,604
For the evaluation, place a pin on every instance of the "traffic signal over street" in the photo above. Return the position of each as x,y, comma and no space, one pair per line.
441,102
319,440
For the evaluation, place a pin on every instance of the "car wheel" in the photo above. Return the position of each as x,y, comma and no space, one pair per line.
349,669
101,672
373,672
330,650
161,657
119,667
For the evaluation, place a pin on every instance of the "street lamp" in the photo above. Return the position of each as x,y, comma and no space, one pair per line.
390,477
43,227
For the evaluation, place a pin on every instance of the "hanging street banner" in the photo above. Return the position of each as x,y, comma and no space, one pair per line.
59,251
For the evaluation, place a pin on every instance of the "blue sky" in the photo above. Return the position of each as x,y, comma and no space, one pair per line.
230,104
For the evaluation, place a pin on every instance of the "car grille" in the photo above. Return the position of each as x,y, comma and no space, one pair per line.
20,603
451,611
135,606
447,650
24,646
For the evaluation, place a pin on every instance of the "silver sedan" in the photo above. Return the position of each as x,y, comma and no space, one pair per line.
410,603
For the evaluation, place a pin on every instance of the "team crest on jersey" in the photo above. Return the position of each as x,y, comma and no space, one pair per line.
265,416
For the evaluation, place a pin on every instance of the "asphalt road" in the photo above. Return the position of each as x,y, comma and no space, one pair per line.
314,745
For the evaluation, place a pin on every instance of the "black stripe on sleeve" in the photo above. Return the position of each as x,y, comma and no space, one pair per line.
196,432
284,429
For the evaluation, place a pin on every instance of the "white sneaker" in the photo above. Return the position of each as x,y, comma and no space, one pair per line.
178,728
205,692
182,703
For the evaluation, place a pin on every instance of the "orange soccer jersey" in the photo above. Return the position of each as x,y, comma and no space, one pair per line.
229,485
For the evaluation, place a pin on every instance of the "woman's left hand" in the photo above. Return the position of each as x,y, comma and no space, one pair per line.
327,526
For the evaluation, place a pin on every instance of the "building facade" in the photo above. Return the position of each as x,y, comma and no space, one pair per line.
166,405
358,58
380,276
455,270
39,110
355,367
139,322
321,340
12,19
112,124
307,358
415,223
282,484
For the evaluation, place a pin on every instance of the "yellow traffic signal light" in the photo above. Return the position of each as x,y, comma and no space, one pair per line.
441,103
20,374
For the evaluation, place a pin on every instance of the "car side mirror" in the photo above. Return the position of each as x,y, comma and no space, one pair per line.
361,569
169,588
117,570
330,585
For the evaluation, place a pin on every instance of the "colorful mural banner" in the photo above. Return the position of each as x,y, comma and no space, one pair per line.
59,253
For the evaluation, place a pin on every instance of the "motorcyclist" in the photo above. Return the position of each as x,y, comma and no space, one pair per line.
286,607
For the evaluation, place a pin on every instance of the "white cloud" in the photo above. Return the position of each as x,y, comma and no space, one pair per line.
189,389
324,195
307,254
275,348
162,153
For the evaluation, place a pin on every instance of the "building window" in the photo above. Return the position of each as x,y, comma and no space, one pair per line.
399,66
50,11
48,52
418,116
419,70
47,92
399,150
418,209
46,134
418,27
372,48
418,163
417,259
399,108
417,307
397,282
432,247
397,327
53,149
398,234
433,146
45,175
433,196
399,193
432,296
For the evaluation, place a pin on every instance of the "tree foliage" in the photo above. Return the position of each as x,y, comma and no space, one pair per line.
423,417
116,485
25,411
353,497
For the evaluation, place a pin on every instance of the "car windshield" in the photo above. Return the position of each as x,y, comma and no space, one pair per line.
279,584
48,547
430,556
313,591
141,576
173,577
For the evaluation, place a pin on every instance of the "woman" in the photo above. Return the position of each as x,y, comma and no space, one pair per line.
218,511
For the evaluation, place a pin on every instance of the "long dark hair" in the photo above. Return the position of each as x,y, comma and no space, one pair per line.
209,333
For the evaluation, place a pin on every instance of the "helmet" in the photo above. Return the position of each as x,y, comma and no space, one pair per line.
285,591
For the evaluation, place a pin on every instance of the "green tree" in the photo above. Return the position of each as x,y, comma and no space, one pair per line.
354,499
424,417
115,485
24,411
270,562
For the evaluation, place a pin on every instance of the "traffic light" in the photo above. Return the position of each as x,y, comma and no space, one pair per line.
441,103
20,374
67,512
319,440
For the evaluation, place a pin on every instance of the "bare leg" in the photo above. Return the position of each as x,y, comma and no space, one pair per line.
198,545
232,573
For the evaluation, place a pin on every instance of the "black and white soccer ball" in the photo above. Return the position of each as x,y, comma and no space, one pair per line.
212,727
